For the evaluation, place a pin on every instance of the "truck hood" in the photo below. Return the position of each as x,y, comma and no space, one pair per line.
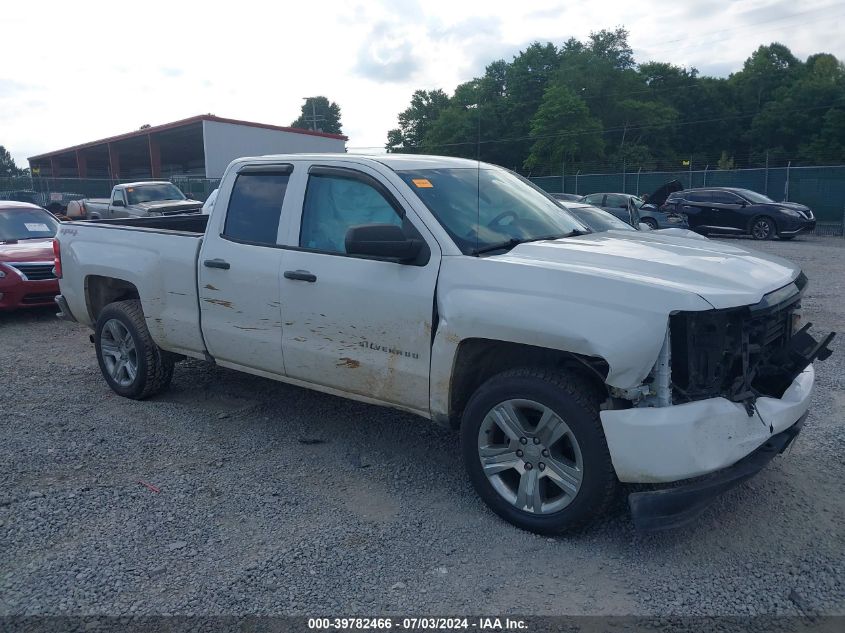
169,206
40,250
722,274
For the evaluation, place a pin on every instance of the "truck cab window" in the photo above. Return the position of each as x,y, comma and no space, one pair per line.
333,204
255,207
118,195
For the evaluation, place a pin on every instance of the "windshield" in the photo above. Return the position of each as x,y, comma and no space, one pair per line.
482,208
598,220
153,193
26,224
753,196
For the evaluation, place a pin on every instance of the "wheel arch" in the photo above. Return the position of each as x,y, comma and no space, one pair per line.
478,359
100,291
759,215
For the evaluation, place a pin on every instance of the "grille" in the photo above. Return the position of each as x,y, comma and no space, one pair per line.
40,297
733,352
36,271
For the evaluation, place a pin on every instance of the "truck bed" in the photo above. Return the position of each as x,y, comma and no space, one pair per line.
193,223
152,257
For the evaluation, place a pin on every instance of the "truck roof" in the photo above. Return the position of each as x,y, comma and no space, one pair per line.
142,182
394,161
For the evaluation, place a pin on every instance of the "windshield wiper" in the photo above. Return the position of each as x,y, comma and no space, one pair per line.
514,241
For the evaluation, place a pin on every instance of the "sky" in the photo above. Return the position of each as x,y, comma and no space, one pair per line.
80,71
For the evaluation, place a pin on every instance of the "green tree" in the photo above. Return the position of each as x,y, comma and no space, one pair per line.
7,164
593,98
612,46
416,120
795,120
564,130
326,113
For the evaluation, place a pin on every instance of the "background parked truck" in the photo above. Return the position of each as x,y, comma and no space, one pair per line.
135,200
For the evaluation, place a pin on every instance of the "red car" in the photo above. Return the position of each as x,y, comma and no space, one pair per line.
26,256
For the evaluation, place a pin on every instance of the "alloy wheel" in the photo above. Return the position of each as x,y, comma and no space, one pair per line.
530,456
762,229
117,349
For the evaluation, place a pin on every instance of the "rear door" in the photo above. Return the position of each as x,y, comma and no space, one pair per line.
696,206
239,268
360,325
728,210
617,204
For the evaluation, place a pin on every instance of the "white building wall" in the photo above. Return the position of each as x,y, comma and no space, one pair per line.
224,142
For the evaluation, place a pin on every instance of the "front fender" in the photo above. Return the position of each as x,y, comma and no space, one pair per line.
621,321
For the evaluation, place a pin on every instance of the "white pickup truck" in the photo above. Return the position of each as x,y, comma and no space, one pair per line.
456,290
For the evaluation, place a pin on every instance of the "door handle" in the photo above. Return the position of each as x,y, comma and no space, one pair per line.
300,275
216,263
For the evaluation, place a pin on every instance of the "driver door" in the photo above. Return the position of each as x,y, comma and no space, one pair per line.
352,323
118,211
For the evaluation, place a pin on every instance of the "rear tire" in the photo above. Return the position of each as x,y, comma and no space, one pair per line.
763,228
132,364
525,475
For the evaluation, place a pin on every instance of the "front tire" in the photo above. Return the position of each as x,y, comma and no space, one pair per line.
651,222
132,364
763,228
535,451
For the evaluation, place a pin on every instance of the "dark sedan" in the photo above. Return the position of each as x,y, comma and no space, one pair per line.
740,212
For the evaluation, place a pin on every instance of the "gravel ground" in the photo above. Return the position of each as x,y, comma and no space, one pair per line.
275,499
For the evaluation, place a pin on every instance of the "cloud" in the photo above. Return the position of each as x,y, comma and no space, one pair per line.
10,88
387,54
171,72
546,14
485,27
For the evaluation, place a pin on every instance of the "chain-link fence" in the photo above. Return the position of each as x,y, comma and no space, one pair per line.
820,188
64,188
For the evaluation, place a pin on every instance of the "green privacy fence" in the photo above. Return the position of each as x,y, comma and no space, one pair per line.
820,188
196,188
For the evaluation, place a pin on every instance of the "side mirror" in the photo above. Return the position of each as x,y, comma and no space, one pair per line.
118,203
382,240
644,227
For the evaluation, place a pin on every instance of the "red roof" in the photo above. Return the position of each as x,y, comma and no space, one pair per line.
188,121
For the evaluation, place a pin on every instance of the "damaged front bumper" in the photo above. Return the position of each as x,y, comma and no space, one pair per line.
668,444
677,506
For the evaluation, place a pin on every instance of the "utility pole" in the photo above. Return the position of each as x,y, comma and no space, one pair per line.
314,118
766,188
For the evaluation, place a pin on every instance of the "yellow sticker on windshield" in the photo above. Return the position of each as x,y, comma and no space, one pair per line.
422,183
130,190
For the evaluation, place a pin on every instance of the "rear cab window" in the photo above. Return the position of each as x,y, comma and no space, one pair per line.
255,205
